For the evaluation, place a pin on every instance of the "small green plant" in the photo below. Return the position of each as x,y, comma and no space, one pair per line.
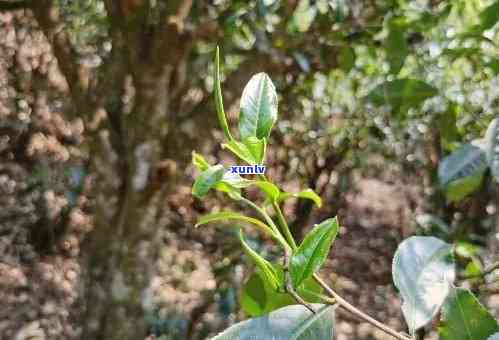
290,300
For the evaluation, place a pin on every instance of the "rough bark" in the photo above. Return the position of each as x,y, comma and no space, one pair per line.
130,174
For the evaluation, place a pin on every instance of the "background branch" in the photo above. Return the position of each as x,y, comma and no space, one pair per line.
47,15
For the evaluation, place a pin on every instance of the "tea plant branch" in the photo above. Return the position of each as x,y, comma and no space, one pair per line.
288,285
355,311
337,298
342,302
326,299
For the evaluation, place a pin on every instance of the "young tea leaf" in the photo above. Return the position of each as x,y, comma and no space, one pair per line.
306,194
199,161
218,97
242,151
258,107
266,268
257,148
313,251
236,181
294,322
230,215
271,190
423,271
464,318
207,180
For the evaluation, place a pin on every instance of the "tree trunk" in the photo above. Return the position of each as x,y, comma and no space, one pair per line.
132,154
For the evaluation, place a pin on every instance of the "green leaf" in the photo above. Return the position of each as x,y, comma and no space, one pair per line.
423,271
207,180
294,322
259,297
459,189
396,46
346,58
313,251
218,97
236,181
266,268
306,194
464,318
258,107
199,161
473,269
461,172
447,124
256,295
271,190
489,16
465,249
409,92
429,19
257,148
230,215
241,150
492,147
230,183
461,52
233,192
303,16
469,160
493,65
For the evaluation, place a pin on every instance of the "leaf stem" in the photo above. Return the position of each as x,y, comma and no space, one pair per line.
355,311
269,221
282,220
284,225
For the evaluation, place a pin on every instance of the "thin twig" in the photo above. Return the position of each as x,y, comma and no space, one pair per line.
346,305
